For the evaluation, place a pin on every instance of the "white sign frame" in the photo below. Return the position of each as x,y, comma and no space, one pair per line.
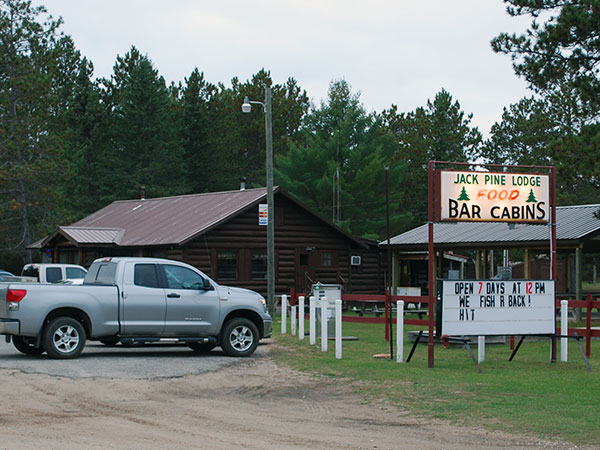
495,307
263,214
494,197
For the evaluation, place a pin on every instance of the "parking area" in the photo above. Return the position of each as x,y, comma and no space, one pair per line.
148,361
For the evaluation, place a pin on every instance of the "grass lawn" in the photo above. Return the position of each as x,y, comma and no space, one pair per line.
528,395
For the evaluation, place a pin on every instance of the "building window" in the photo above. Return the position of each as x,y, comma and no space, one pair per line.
326,259
67,256
227,265
259,266
304,259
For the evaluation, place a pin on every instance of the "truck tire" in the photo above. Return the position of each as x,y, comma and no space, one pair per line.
63,338
201,347
239,337
24,347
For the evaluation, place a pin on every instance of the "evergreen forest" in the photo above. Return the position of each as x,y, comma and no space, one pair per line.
71,143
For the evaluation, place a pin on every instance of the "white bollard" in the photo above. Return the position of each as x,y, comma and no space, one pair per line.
283,314
480,349
312,320
564,329
293,319
301,317
400,331
324,324
338,329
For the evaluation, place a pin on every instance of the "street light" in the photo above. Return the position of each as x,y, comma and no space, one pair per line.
246,108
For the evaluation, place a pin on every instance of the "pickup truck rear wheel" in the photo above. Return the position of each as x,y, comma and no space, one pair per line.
24,347
239,337
64,338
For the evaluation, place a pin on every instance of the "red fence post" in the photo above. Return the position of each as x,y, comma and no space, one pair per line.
387,315
588,326
292,297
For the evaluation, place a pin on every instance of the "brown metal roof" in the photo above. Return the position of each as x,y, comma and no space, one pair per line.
166,221
574,223
85,235
161,221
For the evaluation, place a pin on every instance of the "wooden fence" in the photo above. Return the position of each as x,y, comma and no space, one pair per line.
362,304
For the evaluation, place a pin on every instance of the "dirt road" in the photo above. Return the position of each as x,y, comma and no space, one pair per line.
252,404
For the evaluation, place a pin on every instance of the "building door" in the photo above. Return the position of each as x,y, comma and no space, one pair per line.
305,269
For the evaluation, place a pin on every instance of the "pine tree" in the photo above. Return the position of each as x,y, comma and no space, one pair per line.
531,198
146,143
463,195
440,131
197,132
36,66
340,137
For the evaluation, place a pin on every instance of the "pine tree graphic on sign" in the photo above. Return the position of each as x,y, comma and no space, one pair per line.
531,198
463,195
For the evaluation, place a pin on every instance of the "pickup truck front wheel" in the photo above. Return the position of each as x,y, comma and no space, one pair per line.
239,337
64,338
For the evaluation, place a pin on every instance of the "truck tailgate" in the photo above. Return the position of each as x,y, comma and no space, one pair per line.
99,303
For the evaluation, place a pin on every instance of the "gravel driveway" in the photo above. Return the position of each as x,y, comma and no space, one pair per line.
146,362
168,397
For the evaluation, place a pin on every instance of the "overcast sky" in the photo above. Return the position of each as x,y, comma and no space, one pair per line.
393,52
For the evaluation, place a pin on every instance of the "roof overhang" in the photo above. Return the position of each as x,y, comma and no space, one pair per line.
79,236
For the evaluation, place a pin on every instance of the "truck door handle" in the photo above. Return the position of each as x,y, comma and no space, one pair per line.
173,295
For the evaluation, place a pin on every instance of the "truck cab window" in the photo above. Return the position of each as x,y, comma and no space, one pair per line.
74,272
183,278
145,275
53,274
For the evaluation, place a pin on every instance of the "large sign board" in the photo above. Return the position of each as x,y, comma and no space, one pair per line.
489,307
493,197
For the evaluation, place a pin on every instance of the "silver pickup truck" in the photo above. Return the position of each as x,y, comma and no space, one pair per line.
133,300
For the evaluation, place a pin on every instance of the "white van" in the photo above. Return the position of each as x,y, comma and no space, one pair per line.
53,273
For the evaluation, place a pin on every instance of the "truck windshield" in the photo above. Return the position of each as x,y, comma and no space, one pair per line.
101,273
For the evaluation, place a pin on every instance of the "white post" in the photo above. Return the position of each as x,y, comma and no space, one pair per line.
301,317
283,314
564,329
324,304
480,349
400,331
338,329
293,319
312,320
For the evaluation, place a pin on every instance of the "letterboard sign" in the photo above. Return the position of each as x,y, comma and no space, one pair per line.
488,307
